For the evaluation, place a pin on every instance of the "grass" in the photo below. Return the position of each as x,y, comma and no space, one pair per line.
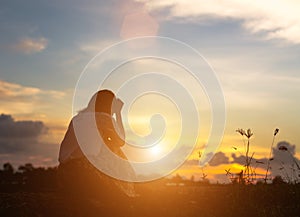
157,199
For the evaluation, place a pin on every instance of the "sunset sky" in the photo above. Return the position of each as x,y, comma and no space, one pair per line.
253,47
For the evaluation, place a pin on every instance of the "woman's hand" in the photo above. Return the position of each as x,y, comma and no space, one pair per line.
117,105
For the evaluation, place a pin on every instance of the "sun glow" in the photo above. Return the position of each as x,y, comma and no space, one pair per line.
156,150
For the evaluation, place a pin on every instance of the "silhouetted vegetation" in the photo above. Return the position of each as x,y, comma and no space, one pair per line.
248,174
28,178
35,191
38,191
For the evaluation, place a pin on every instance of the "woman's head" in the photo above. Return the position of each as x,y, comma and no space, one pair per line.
102,101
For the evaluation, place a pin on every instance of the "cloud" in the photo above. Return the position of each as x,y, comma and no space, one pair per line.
279,158
17,91
27,138
273,20
239,159
138,24
9,128
218,159
31,45
291,149
285,162
19,136
97,46
191,162
20,142
8,90
19,99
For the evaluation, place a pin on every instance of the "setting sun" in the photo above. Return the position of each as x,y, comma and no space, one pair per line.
156,150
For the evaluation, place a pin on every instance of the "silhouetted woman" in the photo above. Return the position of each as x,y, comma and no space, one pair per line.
76,172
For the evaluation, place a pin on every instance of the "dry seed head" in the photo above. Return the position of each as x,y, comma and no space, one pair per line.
241,131
249,133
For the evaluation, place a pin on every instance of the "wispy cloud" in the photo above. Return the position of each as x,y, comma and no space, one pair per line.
14,90
17,91
273,19
30,45
97,46
22,100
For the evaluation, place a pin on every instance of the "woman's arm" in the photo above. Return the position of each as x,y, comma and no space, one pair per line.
119,126
112,131
118,123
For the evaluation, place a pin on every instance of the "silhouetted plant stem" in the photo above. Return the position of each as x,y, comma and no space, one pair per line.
247,159
268,164
270,154
246,173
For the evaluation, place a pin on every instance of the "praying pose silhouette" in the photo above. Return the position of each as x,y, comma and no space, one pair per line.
94,135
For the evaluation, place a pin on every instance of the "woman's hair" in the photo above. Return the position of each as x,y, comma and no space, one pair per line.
101,102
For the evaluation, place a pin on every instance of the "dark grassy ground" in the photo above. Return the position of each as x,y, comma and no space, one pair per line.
211,200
